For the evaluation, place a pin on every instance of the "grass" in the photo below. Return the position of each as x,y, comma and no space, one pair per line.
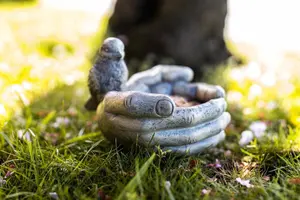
51,147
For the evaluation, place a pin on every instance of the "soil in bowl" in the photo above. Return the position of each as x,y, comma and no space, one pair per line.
183,102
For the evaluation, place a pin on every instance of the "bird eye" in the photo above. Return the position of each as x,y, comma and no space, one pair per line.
104,49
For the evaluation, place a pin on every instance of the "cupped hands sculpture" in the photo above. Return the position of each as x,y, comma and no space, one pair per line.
147,109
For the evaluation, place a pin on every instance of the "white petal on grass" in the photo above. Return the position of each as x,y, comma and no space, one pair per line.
271,105
168,188
27,85
53,195
227,153
4,67
244,182
205,191
2,110
237,74
258,128
234,96
246,138
255,91
269,79
218,164
61,121
2,181
253,70
168,184
24,135
72,111
247,111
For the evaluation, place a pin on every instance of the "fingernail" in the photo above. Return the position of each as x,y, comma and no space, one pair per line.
164,108
128,101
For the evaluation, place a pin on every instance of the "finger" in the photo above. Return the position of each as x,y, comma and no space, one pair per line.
138,104
200,91
184,89
184,136
137,87
188,116
181,117
206,92
160,73
171,73
162,88
197,147
148,77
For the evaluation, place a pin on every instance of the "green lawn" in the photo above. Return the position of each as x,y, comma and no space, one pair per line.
50,146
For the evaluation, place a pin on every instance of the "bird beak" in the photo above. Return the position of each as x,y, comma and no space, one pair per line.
120,55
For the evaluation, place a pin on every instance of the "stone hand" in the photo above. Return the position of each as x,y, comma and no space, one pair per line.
154,119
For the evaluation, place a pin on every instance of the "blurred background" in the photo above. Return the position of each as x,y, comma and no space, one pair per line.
250,47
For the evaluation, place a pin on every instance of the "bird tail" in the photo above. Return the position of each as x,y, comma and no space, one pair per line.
91,104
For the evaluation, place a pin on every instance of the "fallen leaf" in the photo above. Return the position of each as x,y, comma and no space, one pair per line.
43,113
101,194
193,163
108,197
266,178
295,180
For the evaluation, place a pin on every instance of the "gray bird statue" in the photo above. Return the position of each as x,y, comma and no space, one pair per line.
109,73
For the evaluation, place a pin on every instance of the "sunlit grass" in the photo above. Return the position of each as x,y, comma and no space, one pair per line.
8,5
40,49
267,96
51,146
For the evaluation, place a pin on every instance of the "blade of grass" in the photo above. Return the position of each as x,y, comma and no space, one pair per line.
133,183
81,138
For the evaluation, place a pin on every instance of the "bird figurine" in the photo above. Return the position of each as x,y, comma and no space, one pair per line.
109,73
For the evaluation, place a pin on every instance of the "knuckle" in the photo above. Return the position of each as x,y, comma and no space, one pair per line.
190,119
109,95
193,137
129,101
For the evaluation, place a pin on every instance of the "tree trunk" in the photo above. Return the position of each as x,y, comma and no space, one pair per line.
190,32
